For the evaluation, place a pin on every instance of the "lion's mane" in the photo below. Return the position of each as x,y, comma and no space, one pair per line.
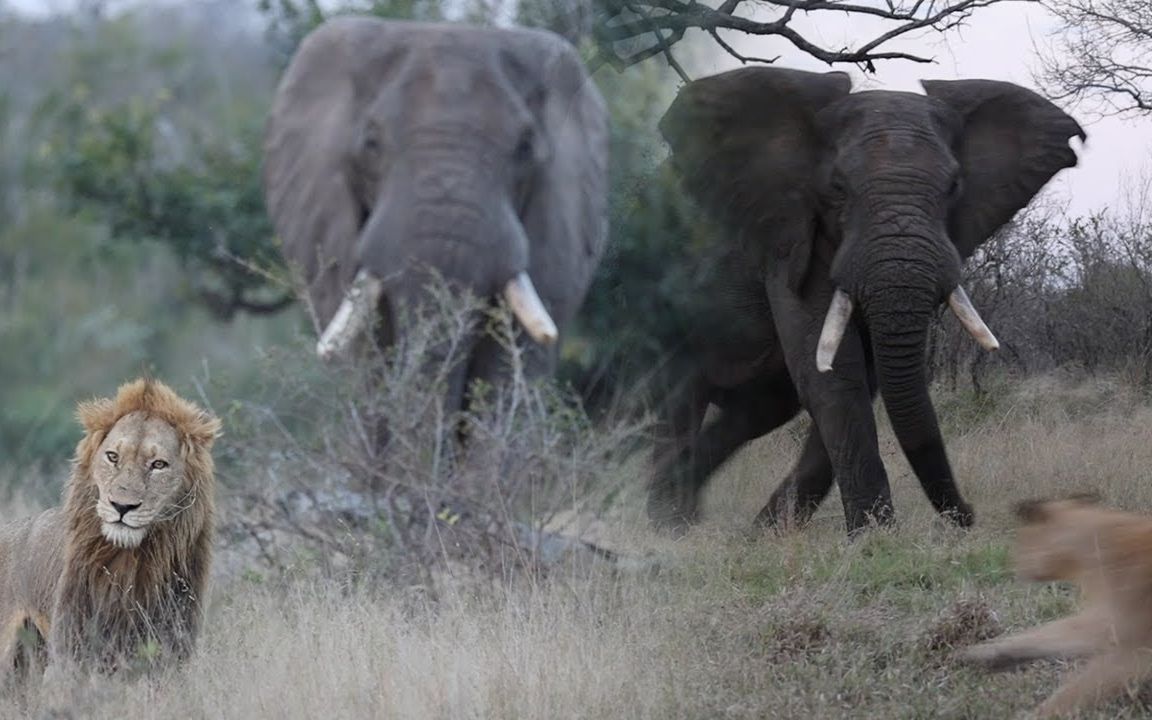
110,601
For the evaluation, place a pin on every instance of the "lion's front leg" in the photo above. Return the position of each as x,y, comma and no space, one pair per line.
9,648
58,691
1103,678
1070,637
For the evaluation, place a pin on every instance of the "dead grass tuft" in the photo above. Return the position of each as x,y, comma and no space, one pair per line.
797,637
966,622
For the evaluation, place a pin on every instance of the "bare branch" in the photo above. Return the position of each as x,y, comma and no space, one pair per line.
225,306
622,27
664,45
1101,55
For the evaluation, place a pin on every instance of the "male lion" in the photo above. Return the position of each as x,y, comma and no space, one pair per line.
121,567
1109,555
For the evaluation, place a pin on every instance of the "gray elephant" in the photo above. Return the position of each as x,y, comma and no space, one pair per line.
398,149
845,218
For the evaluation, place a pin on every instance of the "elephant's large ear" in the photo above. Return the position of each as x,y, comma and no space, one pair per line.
746,146
566,212
307,145
1011,143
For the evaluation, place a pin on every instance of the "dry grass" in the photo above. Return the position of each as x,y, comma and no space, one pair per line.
726,625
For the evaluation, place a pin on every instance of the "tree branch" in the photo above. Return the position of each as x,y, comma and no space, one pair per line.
622,25
1102,54
224,306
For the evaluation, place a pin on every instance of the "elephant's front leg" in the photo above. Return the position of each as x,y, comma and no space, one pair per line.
747,412
797,497
672,489
840,403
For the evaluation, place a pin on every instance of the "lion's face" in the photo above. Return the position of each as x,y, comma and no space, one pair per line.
1051,540
139,474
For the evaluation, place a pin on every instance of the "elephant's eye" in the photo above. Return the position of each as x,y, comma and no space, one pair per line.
525,147
837,184
956,186
158,464
112,456
370,140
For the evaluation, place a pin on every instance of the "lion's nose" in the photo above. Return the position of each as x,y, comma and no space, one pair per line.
124,509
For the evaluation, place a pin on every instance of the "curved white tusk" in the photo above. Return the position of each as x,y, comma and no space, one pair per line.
529,310
352,317
835,323
971,319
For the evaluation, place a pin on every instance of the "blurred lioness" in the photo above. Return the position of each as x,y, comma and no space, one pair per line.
1108,553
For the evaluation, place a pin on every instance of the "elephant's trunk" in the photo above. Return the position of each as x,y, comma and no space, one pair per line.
898,320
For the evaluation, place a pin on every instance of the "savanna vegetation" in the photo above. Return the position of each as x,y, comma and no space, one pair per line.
519,581
720,624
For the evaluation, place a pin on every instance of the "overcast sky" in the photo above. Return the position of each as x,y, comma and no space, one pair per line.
998,44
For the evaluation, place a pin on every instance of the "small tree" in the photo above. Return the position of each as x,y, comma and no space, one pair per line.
147,138
144,138
1103,54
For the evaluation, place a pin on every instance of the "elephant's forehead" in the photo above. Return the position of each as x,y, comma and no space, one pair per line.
902,120
433,87
878,126
887,105
446,61
458,72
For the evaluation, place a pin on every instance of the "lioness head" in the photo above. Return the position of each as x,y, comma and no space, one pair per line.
1051,539
143,460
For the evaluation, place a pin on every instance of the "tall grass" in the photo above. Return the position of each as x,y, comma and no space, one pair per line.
720,624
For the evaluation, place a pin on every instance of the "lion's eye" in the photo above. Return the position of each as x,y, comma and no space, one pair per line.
159,464
112,456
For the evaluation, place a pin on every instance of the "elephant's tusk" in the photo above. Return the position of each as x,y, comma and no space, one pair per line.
352,317
835,323
529,310
971,319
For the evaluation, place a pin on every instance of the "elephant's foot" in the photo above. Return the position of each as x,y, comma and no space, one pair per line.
672,515
860,517
674,526
962,515
785,512
673,522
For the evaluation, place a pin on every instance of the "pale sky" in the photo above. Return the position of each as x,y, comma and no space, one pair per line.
998,44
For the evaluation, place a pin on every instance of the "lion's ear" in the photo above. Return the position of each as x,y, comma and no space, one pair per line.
97,416
204,431
1086,497
1034,511
1031,511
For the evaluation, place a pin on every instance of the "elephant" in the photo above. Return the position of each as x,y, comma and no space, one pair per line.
396,151
844,219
